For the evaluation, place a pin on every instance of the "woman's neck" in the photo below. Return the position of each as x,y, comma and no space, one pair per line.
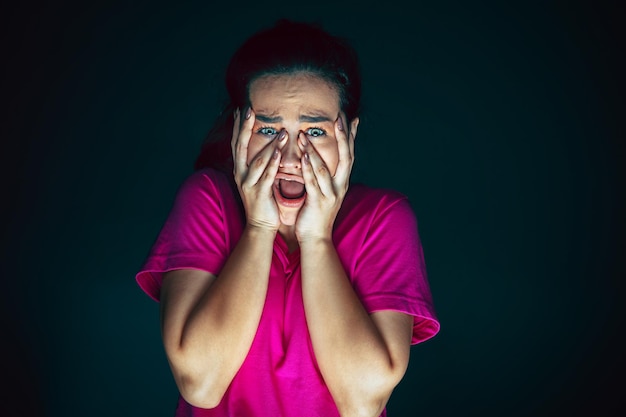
288,234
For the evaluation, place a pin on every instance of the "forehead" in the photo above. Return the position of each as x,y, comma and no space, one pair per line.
302,93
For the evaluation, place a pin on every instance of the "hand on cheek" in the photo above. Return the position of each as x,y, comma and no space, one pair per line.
255,180
325,192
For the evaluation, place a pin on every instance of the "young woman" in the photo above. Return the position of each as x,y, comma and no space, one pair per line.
284,289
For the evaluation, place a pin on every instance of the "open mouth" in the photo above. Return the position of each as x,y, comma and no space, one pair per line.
289,190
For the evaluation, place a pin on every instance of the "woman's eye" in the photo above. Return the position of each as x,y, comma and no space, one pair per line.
268,131
315,132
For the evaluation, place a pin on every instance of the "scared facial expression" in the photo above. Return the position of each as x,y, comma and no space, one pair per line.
297,103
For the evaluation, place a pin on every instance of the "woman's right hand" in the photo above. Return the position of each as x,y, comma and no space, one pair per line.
256,179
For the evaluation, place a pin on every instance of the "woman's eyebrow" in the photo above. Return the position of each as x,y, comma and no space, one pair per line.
268,119
303,118
314,119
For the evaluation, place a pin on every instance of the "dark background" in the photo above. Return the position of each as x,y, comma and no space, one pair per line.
504,124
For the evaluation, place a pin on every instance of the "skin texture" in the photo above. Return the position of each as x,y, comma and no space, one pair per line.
207,331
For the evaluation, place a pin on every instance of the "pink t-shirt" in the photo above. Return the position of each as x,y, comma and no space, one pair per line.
376,239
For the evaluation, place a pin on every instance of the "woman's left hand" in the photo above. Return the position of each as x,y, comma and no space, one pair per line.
325,192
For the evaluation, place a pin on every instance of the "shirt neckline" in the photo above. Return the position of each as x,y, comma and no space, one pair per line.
283,249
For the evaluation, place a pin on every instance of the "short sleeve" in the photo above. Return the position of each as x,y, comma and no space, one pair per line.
387,264
197,234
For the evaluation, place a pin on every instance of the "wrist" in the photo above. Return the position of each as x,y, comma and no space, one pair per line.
315,243
260,231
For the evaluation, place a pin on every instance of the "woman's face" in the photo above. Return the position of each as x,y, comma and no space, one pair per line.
299,102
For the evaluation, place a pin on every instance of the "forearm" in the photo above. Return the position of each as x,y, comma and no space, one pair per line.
207,344
351,351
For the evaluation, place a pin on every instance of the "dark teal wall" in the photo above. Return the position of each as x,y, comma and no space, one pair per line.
504,124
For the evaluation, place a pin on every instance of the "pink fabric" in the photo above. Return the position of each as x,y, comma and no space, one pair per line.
376,239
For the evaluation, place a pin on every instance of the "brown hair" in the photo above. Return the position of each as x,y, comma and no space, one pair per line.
285,48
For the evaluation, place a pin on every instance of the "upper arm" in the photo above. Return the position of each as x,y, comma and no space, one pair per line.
396,329
390,275
180,293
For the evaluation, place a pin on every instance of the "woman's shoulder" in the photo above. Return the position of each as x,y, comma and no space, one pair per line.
208,179
210,175
367,203
363,195
207,186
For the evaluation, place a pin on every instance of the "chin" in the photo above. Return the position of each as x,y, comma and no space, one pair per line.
288,217
288,208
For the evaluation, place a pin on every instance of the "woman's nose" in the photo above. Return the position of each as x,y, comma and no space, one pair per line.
291,153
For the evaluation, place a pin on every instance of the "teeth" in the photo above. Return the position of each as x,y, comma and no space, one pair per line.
290,178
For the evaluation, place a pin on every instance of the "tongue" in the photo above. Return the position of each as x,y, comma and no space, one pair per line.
291,189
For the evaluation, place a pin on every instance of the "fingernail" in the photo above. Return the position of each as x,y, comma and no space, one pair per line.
282,135
340,123
306,158
303,139
248,113
275,155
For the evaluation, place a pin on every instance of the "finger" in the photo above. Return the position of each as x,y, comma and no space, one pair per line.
235,135
269,174
320,169
259,164
310,183
240,156
345,145
309,169
352,138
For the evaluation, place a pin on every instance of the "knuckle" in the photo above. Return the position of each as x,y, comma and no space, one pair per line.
245,185
259,162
